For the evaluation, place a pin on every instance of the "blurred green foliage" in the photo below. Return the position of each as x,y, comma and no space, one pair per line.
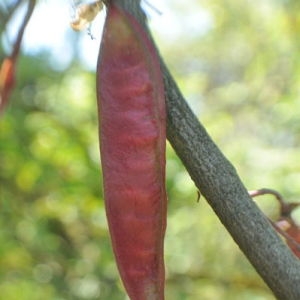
241,76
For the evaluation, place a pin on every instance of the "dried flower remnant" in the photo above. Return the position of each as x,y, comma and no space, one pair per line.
85,14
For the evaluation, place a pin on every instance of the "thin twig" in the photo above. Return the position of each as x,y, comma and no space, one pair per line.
285,207
19,38
5,17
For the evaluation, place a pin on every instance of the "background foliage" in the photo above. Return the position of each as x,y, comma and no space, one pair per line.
237,63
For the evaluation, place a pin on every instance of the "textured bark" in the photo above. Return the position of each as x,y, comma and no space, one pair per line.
219,183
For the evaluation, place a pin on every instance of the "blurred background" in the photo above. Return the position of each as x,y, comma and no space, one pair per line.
237,62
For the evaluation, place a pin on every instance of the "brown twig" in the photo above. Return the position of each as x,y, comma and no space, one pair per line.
285,207
19,38
7,71
285,214
6,16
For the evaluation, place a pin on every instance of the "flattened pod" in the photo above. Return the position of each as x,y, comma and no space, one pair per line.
132,123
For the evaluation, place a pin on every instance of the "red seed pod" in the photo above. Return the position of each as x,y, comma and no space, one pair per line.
132,123
7,74
291,232
294,232
7,80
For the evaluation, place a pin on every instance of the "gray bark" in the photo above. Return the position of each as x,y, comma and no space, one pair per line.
220,184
